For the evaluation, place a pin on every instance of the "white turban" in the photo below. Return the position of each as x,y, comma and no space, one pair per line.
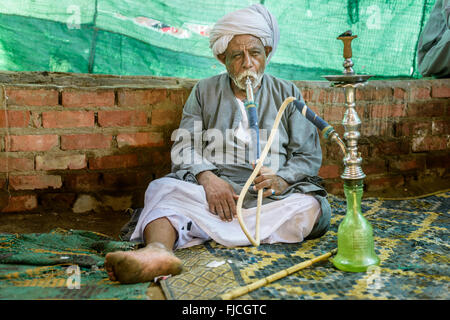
255,20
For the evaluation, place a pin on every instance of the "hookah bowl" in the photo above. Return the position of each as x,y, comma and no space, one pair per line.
355,234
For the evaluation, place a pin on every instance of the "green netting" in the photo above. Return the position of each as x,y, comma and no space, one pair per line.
170,38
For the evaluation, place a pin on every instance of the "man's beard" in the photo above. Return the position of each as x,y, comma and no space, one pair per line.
239,80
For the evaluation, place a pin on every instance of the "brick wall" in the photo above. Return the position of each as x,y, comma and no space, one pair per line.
405,131
92,142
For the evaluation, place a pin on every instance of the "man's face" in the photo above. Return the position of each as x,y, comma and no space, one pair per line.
245,56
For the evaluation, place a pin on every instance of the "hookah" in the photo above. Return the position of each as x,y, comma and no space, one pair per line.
327,131
355,249
251,107
355,235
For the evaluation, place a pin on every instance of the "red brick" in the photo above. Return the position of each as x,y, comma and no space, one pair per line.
381,183
87,98
419,94
85,141
140,139
364,149
440,127
161,117
360,110
32,97
14,118
329,95
67,119
118,181
82,182
122,118
441,91
339,128
429,143
307,94
426,109
57,201
157,159
414,128
333,113
407,164
114,161
31,182
382,94
394,147
399,93
437,160
332,151
420,128
60,162
373,94
332,187
140,97
370,166
21,203
330,171
387,111
363,94
178,96
32,142
16,164
377,127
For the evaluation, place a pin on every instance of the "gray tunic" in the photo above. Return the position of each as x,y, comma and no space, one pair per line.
296,154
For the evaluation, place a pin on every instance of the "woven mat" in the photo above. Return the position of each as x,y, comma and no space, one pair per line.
61,264
411,239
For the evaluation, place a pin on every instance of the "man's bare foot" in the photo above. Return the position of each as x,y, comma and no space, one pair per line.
141,265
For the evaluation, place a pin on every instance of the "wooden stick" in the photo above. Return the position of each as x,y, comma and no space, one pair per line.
276,276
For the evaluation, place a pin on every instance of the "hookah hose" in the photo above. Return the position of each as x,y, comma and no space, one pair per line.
251,107
326,130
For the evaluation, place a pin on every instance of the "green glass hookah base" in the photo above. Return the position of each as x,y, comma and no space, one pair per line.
355,235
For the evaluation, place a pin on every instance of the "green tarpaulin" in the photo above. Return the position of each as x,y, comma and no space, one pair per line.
170,38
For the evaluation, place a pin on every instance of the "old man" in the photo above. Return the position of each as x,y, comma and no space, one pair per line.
196,202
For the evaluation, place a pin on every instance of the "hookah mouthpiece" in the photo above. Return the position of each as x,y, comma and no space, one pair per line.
249,89
250,105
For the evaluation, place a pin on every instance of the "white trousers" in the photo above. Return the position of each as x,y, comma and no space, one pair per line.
184,204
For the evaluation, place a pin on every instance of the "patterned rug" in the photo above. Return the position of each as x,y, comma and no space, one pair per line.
411,239
62,264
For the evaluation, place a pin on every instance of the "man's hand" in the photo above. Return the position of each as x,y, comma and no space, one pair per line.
219,194
267,179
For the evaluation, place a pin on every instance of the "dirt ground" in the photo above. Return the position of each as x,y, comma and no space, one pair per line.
110,223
